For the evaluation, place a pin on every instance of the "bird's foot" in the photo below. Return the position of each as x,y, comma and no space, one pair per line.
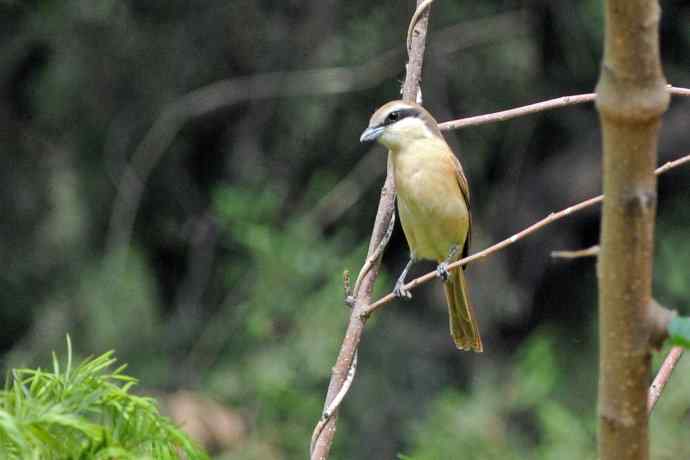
442,271
400,291
350,300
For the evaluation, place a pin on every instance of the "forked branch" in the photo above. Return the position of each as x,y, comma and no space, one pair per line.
343,371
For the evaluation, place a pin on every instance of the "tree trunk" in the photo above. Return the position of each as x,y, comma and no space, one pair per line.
631,98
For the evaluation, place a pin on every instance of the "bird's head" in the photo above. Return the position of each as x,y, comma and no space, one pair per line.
397,123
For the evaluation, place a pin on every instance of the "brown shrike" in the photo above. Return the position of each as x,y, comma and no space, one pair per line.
433,204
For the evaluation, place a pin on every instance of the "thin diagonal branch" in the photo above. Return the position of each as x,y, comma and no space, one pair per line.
663,376
591,251
554,216
517,112
534,108
333,406
376,255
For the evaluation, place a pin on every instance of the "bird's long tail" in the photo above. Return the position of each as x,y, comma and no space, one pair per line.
463,323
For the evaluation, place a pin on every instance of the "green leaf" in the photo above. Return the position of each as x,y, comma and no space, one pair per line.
85,412
679,331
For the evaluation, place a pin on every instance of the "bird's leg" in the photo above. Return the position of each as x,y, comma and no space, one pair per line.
442,268
399,289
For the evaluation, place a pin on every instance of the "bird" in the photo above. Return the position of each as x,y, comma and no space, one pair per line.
433,201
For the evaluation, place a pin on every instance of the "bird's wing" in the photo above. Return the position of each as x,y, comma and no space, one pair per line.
465,190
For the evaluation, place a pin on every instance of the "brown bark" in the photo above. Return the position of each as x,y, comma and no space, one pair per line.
386,210
631,98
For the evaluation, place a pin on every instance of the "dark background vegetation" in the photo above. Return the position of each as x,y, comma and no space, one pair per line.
256,195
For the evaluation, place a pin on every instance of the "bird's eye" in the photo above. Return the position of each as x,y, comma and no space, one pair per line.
393,117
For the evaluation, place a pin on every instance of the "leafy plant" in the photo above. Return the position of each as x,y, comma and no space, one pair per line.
85,412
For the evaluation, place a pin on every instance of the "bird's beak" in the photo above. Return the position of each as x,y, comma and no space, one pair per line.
371,134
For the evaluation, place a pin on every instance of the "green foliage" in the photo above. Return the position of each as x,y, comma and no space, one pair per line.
281,335
117,295
527,412
671,274
508,418
84,411
679,331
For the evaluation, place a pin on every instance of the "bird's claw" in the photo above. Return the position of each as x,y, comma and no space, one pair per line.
442,271
400,291
350,301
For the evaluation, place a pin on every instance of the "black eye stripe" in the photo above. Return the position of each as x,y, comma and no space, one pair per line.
399,114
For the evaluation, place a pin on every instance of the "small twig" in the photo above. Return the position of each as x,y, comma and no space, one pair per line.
663,376
534,108
679,91
375,256
518,111
333,406
554,216
672,164
591,251
347,287
415,19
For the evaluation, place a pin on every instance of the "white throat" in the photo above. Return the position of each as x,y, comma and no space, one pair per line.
412,127
405,132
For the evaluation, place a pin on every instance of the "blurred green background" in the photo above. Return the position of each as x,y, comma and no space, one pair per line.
182,182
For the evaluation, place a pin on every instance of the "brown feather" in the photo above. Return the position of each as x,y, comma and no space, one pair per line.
433,202
463,323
